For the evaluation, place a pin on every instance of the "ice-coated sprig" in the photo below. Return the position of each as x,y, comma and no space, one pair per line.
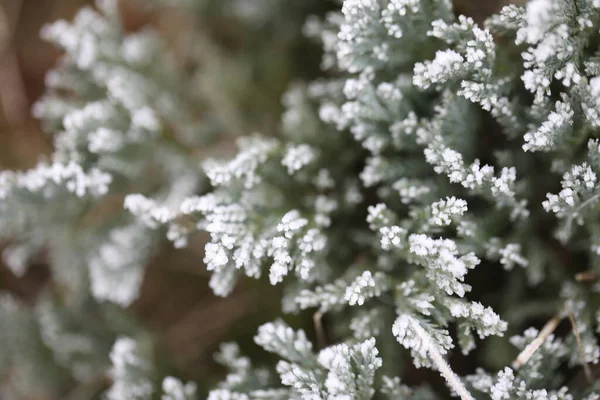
475,56
507,386
439,257
474,59
443,211
543,360
326,297
411,190
393,389
131,372
428,346
552,131
590,96
365,287
240,241
116,270
510,19
338,371
368,323
45,180
174,389
446,65
277,337
242,377
508,255
392,236
173,209
296,157
132,69
254,151
578,196
148,211
555,37
134,375
351,369
371,32
309,243
480,179
477,317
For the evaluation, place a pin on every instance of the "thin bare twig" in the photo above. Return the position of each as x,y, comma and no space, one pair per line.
532,347
586,367
318,321
587,276
444,368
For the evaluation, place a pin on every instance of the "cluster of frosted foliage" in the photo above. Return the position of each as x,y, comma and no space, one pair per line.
174,389
435,188
536,374
116,271
450,139
132,91
135,377
130,372
340,371
415,92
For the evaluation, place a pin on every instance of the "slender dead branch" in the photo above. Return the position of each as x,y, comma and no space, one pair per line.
444,368
587,276
586,367
532,347
318,321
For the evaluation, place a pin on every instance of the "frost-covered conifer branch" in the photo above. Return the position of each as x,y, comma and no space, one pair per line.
475,177
174,389
131,372
394,176
412,335
339,371
384,101
578,196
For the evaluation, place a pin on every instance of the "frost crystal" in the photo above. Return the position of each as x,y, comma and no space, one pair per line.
446,64
129,372
443,210
439,256
297,157
174,389
365,287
